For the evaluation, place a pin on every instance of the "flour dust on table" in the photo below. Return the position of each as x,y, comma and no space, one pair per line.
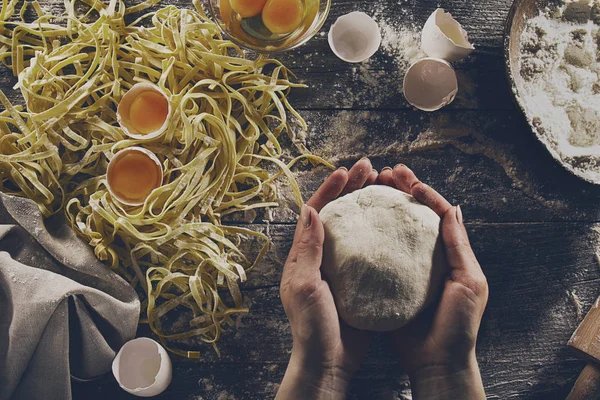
402,42
400,36
560,86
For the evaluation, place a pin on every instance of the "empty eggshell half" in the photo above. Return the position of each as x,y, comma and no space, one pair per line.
443,37
124,111
142,367
354,37
112,171
430,84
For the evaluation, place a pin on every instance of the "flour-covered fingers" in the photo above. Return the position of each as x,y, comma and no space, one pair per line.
372,179
329,190
464,266
385,177
404,178
358,175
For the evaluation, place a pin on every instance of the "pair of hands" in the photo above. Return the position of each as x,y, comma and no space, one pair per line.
437,349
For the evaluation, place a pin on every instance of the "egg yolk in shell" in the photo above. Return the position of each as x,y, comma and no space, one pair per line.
283,16
248,8
134,176
148,112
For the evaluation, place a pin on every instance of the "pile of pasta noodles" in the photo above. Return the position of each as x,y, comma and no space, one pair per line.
220,154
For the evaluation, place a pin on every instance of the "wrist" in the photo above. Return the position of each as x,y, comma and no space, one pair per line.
307,377
451,381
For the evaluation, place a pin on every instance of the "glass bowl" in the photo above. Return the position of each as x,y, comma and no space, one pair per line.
262,40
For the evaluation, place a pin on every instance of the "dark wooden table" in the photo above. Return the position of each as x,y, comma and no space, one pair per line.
532,224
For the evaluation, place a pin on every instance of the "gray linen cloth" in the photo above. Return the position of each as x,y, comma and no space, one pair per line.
63,313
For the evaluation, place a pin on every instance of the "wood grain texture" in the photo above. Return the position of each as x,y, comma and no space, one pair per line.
586,338
531,223
486,161
587,386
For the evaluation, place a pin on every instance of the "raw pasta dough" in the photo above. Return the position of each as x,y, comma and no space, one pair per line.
383,257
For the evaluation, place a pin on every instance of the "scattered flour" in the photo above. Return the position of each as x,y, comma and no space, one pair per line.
400,47
400,36
401,41
560,85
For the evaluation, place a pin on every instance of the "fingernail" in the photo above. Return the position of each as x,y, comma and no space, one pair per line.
398,166
343,168
305,216
459,216
364,158
386,169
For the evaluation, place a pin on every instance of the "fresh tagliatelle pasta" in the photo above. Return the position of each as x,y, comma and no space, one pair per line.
220,153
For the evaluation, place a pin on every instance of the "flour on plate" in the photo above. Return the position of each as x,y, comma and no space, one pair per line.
560,85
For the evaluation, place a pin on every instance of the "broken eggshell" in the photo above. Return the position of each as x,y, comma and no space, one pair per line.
354,37
125,105
443,37
142,367
110,172
430,84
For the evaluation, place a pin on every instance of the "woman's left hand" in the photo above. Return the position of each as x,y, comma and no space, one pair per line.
326,352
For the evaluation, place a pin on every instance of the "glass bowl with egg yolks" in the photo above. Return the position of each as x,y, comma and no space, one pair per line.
269,26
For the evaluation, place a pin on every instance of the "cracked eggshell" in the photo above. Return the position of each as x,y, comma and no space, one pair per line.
110,171
430,84
443,37
142,367
354,37
125,105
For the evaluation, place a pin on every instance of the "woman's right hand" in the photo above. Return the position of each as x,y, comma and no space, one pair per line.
438,348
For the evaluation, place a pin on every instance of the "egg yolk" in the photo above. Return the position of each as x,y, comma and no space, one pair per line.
134,176
248,8
283,16
148,112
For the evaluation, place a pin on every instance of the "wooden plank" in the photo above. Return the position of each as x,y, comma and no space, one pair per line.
515,256
489,162
378,85
585,338
542,278
220,381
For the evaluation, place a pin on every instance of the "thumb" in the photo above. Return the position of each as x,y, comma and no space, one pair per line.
306,253
459,254
462,261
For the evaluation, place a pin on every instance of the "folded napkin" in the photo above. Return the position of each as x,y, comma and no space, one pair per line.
63,313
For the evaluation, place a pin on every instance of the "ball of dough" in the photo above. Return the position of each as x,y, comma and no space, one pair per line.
383,257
